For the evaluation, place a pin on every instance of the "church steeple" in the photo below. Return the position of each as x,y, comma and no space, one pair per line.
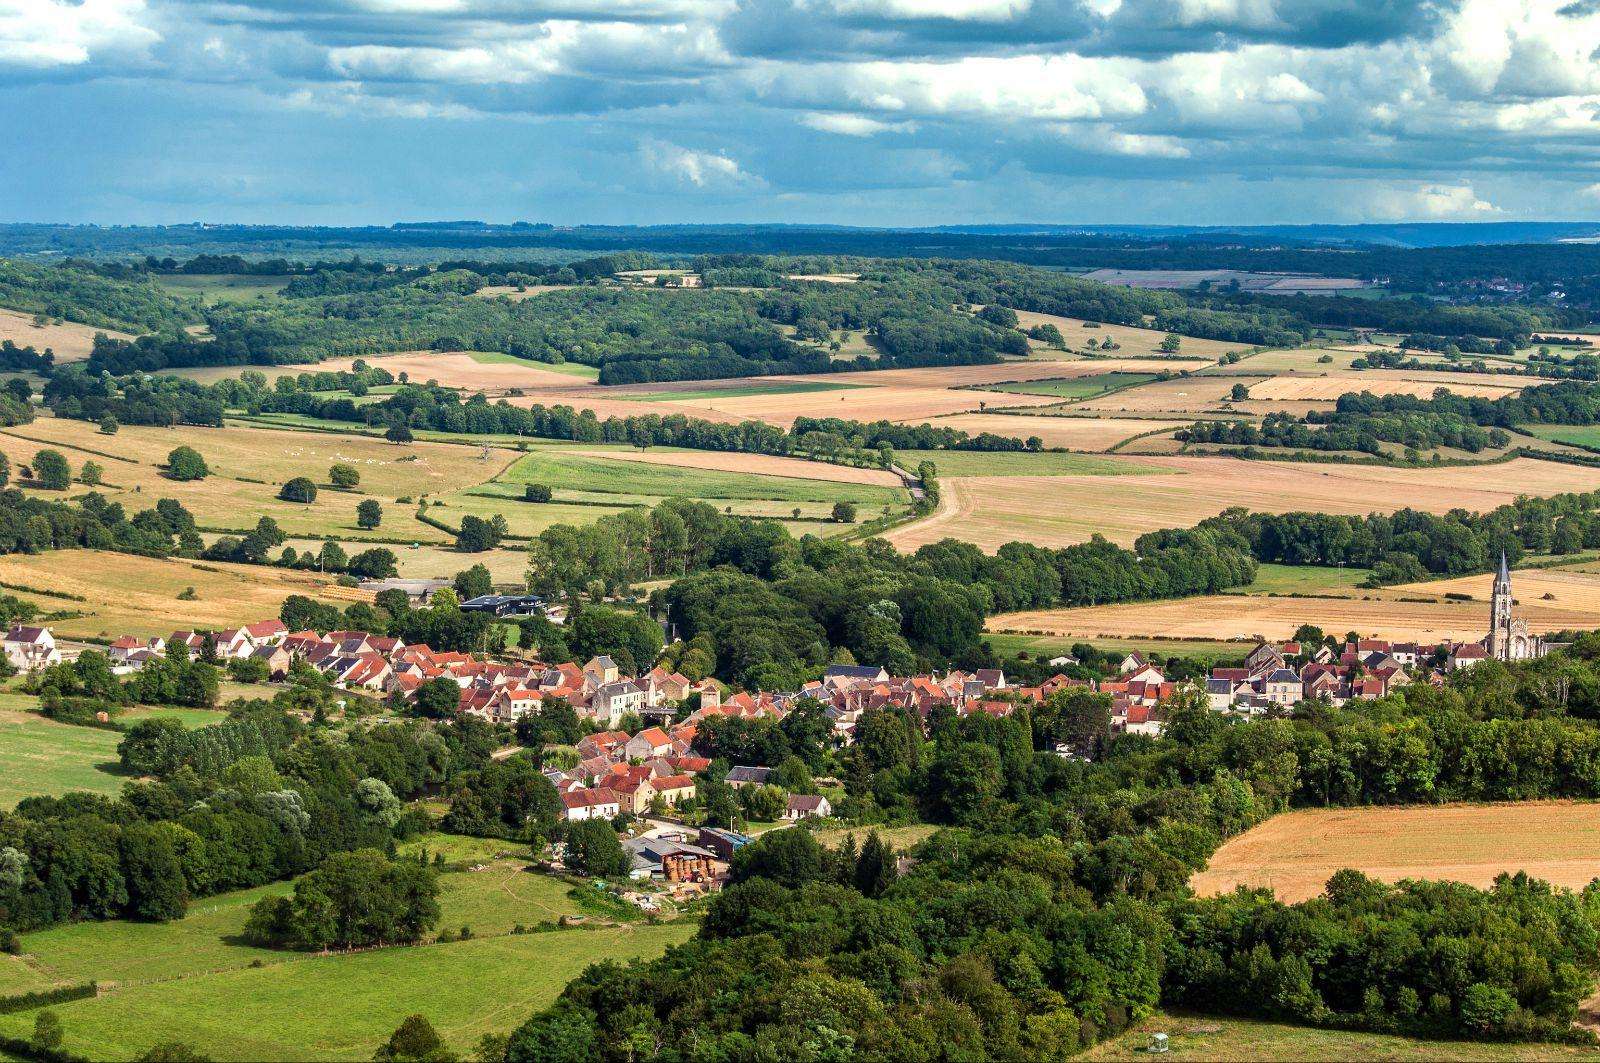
1504,578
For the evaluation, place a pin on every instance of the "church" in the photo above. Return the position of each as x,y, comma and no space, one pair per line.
1509,638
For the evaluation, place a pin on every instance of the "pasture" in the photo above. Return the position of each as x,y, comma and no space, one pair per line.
663,472
134,595
222,287
1179,491
191,978
70,341
40,757
1294,854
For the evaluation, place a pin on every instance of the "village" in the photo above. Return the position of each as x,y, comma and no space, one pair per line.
638,763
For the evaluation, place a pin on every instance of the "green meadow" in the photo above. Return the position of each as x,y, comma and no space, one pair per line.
195,980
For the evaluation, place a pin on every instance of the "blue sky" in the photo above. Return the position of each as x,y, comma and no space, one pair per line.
872,112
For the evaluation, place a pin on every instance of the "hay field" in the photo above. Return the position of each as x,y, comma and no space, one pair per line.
70,341
249,464
1295,853
1548,599
1419,385
1134,341
459,369
1074,433
129,594
1182,490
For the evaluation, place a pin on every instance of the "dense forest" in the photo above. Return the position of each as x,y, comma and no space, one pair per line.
1054,911
73,291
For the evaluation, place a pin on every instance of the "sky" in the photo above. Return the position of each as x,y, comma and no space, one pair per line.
863,112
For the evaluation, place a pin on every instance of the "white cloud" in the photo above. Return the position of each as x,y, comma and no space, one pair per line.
1429,202
703,170
853,125
53,33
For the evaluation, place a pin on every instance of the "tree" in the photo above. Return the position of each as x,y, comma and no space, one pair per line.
185,463
414,1041
438,698
593,849
602,631
398,433
473,582
378,562
477,535
356,899
369,514
109,425
51,471
92,473
536,493
343,476
1171,342
844,513
1239,393
299,489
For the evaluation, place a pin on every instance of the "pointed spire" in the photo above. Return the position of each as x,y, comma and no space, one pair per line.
1505,573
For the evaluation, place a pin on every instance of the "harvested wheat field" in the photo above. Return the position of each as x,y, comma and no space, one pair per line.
70,341
128,594
1376,614
882,401
1134,341
1420,385
956,376
1073,433
752,464
1181,490
1191,394
1295,854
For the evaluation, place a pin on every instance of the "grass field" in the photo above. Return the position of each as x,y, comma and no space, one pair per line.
1231,1040
1305,579
1587,435
40,757
194,978
657,472
1083,387
130,594
965,463
222,287
1178,395
1295,853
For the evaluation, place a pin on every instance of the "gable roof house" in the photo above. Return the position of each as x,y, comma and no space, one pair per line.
30,648
807,806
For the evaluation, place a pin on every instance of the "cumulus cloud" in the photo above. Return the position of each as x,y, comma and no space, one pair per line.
55,33
707,171
1391,108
